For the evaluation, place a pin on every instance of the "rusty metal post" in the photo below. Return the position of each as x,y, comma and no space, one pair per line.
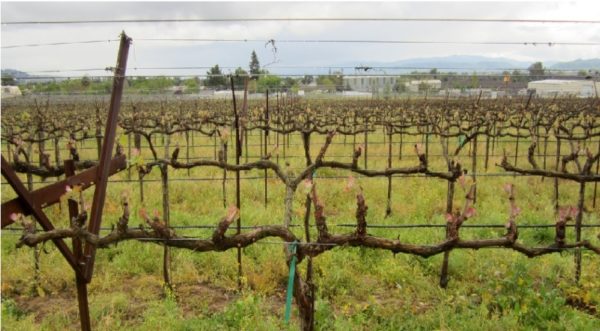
107,146
82,294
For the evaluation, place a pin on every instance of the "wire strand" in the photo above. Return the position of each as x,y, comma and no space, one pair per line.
366,41
61,43
321,41
310,19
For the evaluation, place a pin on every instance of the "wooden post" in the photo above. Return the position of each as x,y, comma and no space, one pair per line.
82,294
109,140
238,153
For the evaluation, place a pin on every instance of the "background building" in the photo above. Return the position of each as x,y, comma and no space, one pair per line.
10,91
558,87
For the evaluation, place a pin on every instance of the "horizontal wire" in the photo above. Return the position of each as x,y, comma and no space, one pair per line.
370,41
316,177
312,41
61,43
365,68
308,19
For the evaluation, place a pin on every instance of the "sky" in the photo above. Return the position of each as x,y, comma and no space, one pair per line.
168,54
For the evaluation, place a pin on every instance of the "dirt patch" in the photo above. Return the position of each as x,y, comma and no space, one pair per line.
579,304
41,307
194,299
203,297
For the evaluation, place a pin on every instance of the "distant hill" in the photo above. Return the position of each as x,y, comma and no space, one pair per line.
457,63
468,63
23,77
452,63
14,73
579,64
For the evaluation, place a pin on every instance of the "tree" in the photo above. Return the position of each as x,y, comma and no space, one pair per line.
191,84
400,87
326,82
215,77
338,80
433,72
85,81
8,80
268,82
387,90
536,69
474,81
240,76
516,76
289,82
307,79
254,65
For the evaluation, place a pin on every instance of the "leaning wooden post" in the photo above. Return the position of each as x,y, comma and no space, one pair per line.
101,179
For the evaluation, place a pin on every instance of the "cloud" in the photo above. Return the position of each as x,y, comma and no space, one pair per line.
172,54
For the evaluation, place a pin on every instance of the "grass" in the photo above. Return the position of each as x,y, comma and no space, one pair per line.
357,288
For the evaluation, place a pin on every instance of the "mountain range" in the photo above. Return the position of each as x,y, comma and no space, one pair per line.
452,63
468,63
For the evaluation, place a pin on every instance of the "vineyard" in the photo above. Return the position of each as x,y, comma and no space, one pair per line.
365,213
281,181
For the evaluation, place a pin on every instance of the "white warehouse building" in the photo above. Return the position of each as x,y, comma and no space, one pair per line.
378,84
429,84
10,91
558,87
369,83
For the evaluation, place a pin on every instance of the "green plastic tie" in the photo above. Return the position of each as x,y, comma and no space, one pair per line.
461,140
290,288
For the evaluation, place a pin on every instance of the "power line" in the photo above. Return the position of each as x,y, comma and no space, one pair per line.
368,41
323,41
311,19
61,43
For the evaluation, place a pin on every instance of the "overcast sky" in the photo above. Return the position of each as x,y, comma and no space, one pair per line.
176,54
